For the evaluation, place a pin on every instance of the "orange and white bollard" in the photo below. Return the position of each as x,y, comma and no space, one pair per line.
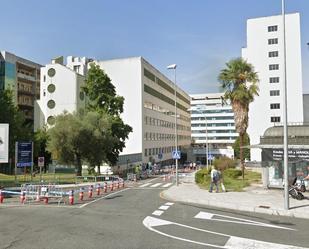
1,196
90,191
22,197
98,189
71,197
81,194
169,177
164,178
112,186
123,183
105,187
118,184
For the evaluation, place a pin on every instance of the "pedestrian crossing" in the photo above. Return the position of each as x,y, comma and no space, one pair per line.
156,185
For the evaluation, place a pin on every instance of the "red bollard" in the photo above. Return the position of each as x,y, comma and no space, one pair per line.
46,200
112,186
71,197
90,191
98,189
22,197
81,194
105,187
1,196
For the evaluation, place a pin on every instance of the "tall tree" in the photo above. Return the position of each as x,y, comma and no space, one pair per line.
239,81
103,99
9,113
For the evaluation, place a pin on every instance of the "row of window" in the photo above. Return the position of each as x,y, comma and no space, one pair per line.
212,131
157,151
152,136
212,125
155,107
217,138
162,123
164,85
212,118
212,111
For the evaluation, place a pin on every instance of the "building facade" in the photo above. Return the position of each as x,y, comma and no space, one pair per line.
149,110
60,89
265,52
22,76
212,126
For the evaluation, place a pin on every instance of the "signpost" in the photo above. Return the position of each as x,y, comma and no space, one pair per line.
176,154
41,162
4,143
24,156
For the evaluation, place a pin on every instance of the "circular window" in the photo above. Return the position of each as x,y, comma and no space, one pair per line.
51,120
81,95
51,104
51,88
51,72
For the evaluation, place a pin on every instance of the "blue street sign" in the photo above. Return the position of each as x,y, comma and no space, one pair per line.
24,154
210,157
160,156
176,154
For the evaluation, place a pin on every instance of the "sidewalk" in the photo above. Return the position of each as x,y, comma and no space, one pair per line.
255,199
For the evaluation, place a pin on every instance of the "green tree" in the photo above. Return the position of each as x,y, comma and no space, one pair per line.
239,81
104,100
40,146
237,148
9,113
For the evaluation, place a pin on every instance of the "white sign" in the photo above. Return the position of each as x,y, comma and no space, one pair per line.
4,143
41,161
176,154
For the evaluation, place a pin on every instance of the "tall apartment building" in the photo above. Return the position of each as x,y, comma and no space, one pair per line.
22,76
149,109
265,52
60,89
212,124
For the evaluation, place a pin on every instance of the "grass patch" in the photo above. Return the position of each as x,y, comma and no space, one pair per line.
232,182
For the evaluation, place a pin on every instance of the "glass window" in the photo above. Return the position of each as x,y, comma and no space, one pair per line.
274,67
274,80
51,104
51,72
275,119
275,106
273,28
51,88
274,93
272,41
273,54
51,120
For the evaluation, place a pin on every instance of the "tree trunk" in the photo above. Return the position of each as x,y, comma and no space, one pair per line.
241,155
99,170
78,165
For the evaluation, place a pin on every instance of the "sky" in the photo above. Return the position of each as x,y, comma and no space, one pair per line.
200,36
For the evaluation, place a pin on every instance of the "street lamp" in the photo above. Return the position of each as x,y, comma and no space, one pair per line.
174,66
285,117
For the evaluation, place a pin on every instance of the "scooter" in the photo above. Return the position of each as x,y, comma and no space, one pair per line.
295,190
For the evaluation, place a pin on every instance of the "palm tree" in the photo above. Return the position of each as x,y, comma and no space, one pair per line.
239,81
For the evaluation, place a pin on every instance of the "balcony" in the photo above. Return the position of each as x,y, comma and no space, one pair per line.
25,76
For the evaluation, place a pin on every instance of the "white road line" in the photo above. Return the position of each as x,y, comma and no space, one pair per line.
145,185
210,216
156,185
167,185
164,207
158,212
103,197
232,243
169,203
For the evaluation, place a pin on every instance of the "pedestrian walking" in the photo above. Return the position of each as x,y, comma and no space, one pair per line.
215,178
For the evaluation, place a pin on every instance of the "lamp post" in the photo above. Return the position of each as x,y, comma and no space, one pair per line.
174,66
285,117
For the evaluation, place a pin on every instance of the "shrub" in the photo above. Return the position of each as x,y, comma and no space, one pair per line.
224,163
200,175
232,173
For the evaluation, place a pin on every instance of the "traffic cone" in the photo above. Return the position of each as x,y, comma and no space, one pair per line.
81,194
1,196
105,187
71,197
98,189
22,197
90,191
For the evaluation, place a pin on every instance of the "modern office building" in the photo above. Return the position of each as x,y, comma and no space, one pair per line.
22,76
212,126
149,109
60,89
265,52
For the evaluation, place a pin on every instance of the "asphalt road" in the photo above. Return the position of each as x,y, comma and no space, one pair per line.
139,218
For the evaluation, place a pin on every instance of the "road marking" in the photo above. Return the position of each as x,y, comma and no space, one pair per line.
103,197
164,207
156,185
158,212
145,185
210,216
169,203
167,185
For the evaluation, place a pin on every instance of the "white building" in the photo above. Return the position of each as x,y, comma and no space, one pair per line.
149,110
212,124
60,89
265,52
